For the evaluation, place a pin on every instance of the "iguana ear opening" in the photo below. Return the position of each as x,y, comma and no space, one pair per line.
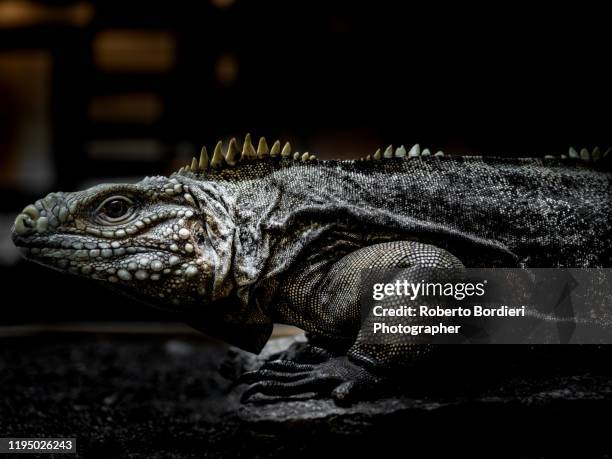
219,228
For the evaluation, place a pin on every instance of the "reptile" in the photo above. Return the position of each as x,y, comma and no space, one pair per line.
251,236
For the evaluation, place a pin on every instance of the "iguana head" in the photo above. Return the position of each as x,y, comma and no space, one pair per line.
152,240
167,241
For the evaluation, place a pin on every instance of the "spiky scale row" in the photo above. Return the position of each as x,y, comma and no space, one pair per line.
400,152
415,152
233,155
584,154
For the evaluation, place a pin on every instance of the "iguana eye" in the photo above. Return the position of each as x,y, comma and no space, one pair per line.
116,209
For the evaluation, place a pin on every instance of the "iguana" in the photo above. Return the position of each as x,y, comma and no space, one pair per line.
237,241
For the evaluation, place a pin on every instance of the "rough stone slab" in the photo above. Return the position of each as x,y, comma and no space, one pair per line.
153,397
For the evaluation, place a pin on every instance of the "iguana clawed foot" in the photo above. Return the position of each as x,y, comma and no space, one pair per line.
337,377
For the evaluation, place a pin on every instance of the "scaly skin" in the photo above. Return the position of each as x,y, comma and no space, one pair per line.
233,244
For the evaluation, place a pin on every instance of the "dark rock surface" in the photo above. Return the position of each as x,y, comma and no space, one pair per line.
155,397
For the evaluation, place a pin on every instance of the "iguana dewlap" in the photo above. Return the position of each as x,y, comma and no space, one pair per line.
238,241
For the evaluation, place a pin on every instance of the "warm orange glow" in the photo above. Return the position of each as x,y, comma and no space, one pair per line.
134,50
132,107
23,13
226,69
222,4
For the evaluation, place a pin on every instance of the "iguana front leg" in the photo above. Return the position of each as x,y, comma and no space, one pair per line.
368,363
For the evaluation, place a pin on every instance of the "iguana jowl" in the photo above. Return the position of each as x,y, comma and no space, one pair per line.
239,241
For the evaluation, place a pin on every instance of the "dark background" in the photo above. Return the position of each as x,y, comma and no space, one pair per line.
94,91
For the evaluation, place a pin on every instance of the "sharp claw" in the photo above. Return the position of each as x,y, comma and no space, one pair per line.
287,366
269,375
343,394
275,388
302,353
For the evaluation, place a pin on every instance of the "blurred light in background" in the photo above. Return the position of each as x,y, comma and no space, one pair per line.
25,130
222,4
23,13
126,150
9,254
125,108
226,69
134,51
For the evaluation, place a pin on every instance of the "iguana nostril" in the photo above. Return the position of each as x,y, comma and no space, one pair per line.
23,224
31,212
29,220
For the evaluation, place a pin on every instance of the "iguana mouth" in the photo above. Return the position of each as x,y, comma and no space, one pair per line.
76,247
99,259
84,254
